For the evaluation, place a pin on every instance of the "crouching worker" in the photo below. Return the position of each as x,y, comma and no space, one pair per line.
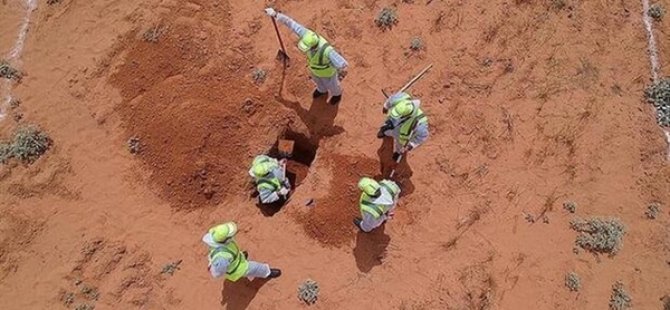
378,200
270,177
225,257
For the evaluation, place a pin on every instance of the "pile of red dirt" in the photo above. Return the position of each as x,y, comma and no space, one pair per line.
197,135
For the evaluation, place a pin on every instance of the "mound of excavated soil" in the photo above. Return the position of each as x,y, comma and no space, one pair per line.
197,133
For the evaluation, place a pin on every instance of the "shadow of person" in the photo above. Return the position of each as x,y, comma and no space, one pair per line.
403,172
238,295
370,248
270,209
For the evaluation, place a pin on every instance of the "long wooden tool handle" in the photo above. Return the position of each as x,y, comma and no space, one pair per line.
281,43
416,78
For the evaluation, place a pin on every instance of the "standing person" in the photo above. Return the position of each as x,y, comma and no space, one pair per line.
405,122
377,202
326,65
225,257
270,177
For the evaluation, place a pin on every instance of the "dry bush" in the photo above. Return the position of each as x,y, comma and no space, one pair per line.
570,206
9,72
308,291
620,300
573,282
656,11
599,235
416,44
171,268
557,4
134,145
387,18
258,75
658,94
653,210
154,33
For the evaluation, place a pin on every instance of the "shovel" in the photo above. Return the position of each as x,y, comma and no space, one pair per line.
281,54
285,148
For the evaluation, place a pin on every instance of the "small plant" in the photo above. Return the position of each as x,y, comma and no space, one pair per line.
386,19
656,11
652,211
620,300
171,267
416,44
666,302
258,75
570,206
658,94
84,307
29,143
599,235
14,103
5,152
308,292
67,298
557,4
90,292
134,145
573,282
154,33
9,72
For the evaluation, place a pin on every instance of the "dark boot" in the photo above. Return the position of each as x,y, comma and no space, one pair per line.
396,156
274,273
317,94
357,223
335,99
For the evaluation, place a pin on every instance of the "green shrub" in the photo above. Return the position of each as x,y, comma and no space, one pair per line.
308,292
387,18
29,143
620,300
573,282
658,94
599,235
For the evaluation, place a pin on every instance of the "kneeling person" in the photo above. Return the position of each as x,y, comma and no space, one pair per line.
225,257
270,177
377,202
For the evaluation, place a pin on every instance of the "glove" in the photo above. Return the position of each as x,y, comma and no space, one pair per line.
283,191
341,74
271,12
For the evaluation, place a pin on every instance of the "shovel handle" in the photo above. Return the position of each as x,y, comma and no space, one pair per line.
281,43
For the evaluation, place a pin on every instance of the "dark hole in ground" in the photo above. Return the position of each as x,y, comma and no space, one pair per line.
297,166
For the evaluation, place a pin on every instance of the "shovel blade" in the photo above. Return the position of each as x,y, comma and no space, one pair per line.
285,147
281,56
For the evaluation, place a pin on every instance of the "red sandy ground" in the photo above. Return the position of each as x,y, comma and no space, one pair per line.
529,106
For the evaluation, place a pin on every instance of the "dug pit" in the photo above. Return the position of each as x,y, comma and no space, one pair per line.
297,164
